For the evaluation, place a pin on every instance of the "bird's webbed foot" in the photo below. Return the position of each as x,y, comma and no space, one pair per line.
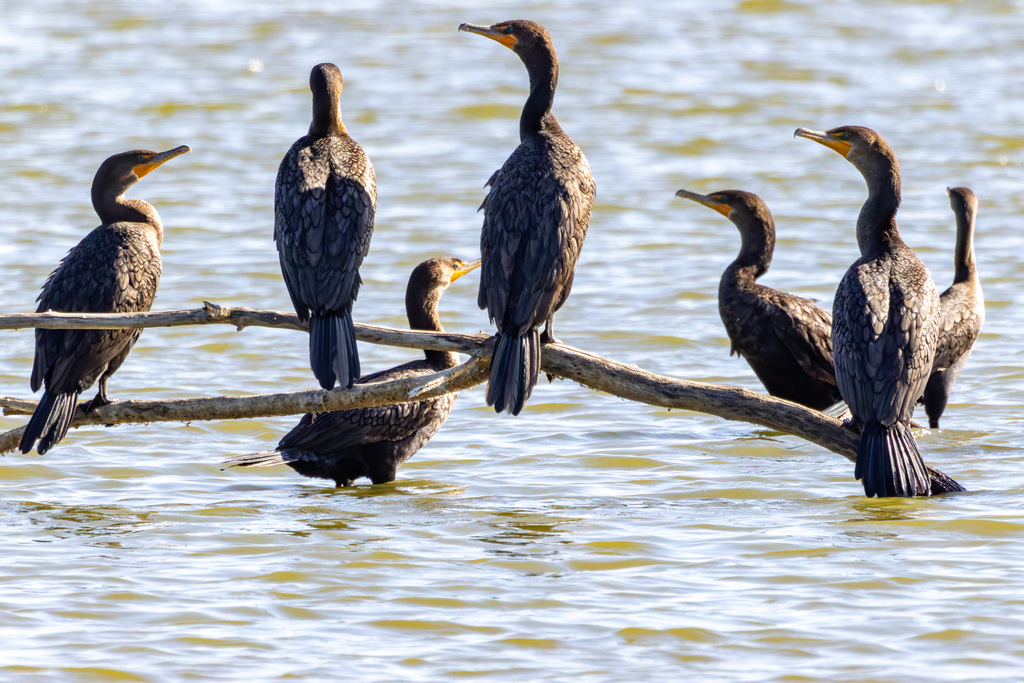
98,401
851,425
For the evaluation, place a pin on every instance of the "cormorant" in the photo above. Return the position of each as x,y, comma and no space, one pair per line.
961,309
325,200
885,321
785,338
372,442
114,269
535,219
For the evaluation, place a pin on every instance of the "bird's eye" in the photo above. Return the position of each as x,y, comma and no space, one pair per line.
509,29
845,135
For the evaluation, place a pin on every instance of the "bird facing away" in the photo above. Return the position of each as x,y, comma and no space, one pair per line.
885,321
325,200
785,338
961,309
535,219
372,442
114,269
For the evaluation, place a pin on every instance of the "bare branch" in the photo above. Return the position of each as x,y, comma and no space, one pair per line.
470,373
209,314
594,372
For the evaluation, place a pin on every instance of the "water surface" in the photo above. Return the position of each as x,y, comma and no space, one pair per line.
589,537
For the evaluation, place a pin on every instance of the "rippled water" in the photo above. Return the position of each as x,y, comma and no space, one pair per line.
589,537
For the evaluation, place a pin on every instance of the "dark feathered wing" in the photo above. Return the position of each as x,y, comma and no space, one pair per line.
535,220
347,444
325,202
115,269
806,330
962,313
883,345
885,321
341,429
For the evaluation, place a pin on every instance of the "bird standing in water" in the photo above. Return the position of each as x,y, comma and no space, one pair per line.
785,338
372,442
885,321
325,200
114,269
535,220
961,309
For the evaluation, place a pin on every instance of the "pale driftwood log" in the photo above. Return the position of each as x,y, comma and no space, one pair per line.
470,373
594,372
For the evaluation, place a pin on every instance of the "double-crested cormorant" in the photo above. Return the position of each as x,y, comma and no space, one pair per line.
885,320
372,442
535,219
785,338
961,309
114,269
325,200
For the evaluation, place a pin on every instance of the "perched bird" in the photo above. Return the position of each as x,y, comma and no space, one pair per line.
372,442
785,338
885,324
325,200
961,309
114,269
535,219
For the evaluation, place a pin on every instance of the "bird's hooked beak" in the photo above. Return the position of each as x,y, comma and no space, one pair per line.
830,141
467,266
506,39
154,160
710,202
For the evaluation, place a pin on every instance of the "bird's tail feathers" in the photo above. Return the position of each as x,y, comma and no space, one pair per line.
333,354
49,422
514,369
261,459
889,462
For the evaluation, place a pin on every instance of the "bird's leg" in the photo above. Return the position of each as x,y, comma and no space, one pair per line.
851,424
100,399
548,335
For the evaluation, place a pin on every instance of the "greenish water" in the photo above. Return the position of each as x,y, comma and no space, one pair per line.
589,538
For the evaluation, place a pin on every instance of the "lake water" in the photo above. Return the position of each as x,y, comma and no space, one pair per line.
589,538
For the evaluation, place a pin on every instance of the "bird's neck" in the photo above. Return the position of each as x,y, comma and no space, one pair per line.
327,118
116,208
963,260
876,225
422,313
537,117
755,257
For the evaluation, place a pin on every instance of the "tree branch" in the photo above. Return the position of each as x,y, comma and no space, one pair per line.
470,373
594,372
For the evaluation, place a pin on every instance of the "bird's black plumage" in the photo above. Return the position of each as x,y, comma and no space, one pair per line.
372,442
114,269
885,320
785,338
536,215
325,200
961,310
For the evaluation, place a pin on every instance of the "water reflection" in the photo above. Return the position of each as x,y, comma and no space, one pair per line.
88,521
